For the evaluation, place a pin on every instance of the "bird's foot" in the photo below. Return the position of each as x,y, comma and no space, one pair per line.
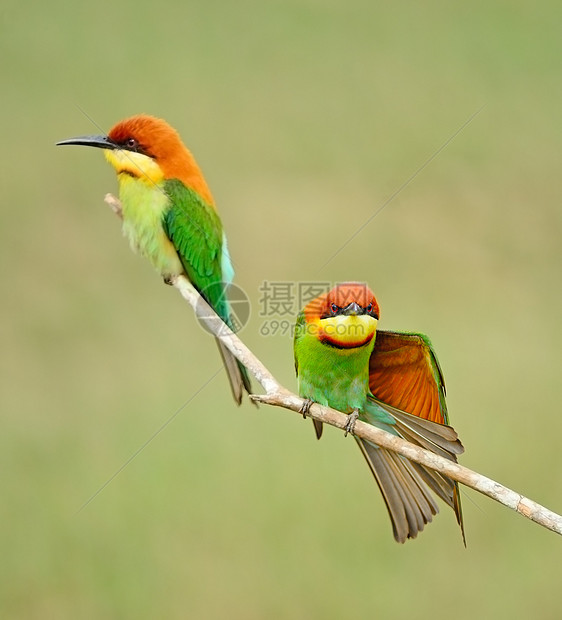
306,407
350,424
168,280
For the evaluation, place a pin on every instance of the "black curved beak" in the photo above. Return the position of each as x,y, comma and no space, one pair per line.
100,142
354,309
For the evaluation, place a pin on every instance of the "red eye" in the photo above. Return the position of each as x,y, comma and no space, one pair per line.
334,308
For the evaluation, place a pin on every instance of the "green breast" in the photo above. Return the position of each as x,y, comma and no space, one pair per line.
329,376
143,207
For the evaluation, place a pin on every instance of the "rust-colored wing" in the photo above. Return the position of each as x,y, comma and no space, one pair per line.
404,373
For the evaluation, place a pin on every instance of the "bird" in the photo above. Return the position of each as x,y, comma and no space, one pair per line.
391,380
170,216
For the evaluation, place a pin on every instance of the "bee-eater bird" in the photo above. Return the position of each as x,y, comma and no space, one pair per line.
391,380
169,215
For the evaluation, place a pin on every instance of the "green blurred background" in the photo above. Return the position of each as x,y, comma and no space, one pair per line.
305,117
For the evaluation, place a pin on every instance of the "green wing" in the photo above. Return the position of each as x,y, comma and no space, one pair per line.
196,232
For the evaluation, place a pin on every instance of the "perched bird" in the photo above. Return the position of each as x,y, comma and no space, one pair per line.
391,380
169,215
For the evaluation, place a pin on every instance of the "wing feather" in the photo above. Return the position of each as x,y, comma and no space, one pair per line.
404,373
195,230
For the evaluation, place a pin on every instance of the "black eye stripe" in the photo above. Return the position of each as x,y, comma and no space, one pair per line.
134,146
335,310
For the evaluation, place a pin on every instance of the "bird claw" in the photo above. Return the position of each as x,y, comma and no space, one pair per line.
350,424
306,407
168,280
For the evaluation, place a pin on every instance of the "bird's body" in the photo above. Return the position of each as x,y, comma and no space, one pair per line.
341,364
169,215
337,378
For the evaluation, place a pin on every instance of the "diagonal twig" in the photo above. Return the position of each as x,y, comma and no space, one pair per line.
279,396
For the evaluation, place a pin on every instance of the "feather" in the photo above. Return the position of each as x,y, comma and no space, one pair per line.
437,438
408,499
404,372
236,373
196,232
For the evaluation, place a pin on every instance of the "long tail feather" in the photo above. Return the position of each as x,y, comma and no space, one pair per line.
237,373
408,499
407,486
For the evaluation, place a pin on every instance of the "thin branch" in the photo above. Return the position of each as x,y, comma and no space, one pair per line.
279,396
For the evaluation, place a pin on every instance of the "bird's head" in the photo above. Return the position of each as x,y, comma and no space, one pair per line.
345,318
149,149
